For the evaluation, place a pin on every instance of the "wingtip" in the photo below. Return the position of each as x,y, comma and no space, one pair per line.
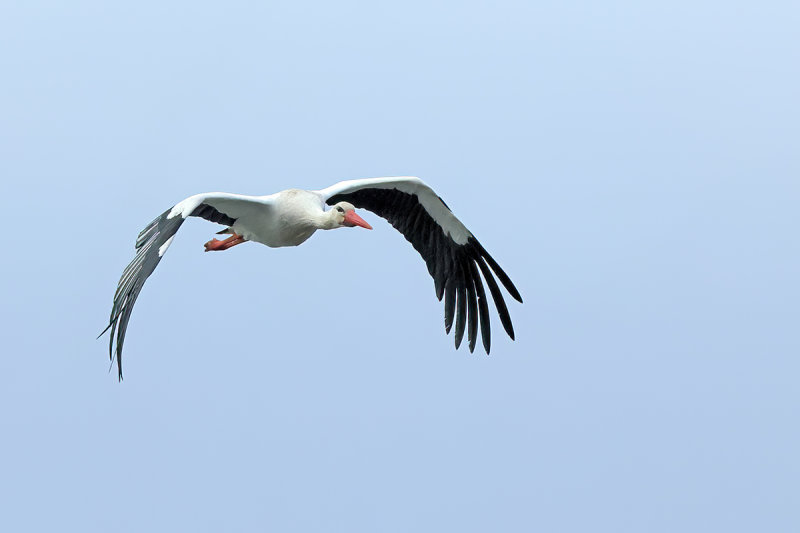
509,329
104,331
439,293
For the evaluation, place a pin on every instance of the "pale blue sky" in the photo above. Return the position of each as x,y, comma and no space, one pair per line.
633,166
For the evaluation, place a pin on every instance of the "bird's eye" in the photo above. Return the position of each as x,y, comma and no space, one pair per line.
340,209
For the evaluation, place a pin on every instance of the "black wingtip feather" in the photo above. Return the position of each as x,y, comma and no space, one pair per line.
449,304
497,296
461,311
483,308
472,313
502,276
103,332
439,287
440,274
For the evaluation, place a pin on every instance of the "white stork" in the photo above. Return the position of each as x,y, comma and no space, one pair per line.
453,255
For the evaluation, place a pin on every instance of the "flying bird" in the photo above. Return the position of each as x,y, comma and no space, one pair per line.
455,258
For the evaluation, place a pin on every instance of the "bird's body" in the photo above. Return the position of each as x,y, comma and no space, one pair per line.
289,218
294,216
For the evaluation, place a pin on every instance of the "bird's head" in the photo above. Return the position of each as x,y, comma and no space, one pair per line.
344,215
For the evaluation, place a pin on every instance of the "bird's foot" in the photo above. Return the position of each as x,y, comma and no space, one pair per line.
215,245
212,245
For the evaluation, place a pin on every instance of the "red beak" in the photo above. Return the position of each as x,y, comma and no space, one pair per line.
352,219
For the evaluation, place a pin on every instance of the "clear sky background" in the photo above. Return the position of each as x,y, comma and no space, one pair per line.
632,165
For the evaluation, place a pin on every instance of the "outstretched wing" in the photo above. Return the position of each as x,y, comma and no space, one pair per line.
453,255
153,242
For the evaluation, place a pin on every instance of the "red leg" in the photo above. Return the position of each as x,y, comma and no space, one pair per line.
215,245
